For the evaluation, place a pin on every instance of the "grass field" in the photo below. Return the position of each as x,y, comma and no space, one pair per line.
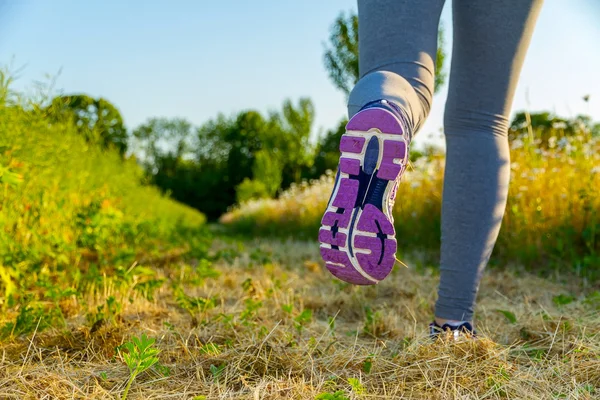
110,290
552,220
265,321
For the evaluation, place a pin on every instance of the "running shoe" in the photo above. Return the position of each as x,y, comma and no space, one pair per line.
456,332
357,234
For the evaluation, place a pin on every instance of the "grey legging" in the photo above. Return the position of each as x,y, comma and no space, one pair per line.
397,45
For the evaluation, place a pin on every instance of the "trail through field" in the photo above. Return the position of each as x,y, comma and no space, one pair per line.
265,320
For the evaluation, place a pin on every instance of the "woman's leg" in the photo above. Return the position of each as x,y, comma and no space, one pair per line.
398,43
490,42
397,50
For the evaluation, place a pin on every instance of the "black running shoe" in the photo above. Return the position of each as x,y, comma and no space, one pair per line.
463,330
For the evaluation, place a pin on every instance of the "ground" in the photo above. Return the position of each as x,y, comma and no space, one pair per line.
267,321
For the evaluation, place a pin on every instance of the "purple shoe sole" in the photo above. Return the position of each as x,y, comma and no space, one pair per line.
357,233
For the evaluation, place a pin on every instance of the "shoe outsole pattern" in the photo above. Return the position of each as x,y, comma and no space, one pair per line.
357,234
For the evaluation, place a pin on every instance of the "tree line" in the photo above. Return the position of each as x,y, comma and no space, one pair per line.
250,155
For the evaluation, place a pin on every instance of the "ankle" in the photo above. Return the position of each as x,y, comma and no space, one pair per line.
451,322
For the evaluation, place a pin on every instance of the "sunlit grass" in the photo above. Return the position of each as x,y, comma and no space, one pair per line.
267,321
72,216
109,290
552,217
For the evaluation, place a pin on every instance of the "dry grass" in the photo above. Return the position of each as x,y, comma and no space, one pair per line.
269,349
551,220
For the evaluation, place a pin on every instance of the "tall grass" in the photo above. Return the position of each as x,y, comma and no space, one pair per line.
72,213
552,217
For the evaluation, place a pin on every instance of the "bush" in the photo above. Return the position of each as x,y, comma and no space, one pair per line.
69,206
250,189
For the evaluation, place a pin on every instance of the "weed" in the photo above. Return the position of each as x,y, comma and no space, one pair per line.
302,319
211,349
563,299
339,395
357,386
140,356
510,316
217,371
249,312
374,324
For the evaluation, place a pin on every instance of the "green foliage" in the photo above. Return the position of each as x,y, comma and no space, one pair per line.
356,386
9,177
327,153
563,299
97,120
293,141
193,305
250,189
548,129
373,322
338,395
227,159
140,356
341,55
217,371
162,142
341,58
302,319
267,169
5,82
211,349
510,316
368,365
249,312
74,218
32,317
440,74
106,312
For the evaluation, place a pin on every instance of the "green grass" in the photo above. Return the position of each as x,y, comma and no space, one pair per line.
73,219
110,290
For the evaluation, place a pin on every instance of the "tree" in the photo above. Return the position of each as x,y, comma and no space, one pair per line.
167,150
327,153
97,120
240,157
266,178
341,56
230,154
160,138
293,141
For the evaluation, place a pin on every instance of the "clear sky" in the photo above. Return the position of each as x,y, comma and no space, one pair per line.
194,59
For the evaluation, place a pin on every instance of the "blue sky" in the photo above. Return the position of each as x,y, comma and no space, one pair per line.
194,59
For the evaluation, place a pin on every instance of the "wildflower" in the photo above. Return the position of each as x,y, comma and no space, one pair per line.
516,144
563,142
